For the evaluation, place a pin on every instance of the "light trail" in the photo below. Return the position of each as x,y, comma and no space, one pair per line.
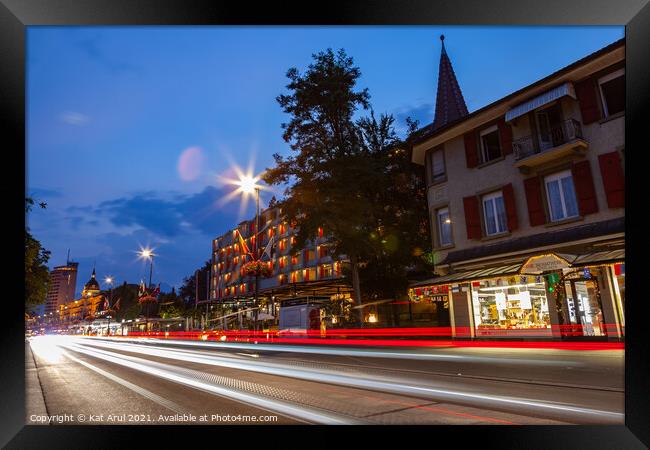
524,406
370,353
174,374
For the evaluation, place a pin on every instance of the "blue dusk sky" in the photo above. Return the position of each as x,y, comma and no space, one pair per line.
131,130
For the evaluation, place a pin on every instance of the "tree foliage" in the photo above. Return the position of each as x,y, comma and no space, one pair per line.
348,176
37,274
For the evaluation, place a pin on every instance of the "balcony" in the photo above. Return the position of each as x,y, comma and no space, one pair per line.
564,139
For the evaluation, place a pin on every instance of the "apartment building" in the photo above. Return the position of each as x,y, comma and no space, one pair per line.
526,201
63,280
312,271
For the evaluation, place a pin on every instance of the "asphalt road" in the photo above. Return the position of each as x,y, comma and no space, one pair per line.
88,380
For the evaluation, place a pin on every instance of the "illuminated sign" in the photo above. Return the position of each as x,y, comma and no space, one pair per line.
544,263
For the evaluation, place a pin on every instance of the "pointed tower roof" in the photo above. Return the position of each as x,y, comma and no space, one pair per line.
450,104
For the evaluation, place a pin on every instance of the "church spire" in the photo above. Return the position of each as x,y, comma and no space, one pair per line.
450,104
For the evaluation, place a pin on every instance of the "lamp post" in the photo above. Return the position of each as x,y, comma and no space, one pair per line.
109,280
147,254
248,185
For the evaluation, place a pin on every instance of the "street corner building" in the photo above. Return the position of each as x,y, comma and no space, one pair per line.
526,204
310,275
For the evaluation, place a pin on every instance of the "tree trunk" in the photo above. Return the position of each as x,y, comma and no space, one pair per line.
356,286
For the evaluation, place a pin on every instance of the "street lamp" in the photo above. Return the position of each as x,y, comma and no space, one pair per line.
248,185
109,280
147,253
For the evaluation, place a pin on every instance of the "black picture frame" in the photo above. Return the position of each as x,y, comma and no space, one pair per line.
16,15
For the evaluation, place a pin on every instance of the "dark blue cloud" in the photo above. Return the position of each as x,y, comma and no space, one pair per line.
168,217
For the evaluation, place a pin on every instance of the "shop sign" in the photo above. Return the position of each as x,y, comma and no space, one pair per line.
544,263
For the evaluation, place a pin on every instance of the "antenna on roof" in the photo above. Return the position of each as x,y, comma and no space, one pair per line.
67,261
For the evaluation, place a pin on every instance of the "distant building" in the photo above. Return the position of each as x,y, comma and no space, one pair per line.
86,306
63,280
313,271
526,204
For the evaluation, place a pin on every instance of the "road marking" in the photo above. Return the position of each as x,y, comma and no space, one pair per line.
490,401
127,384
278,407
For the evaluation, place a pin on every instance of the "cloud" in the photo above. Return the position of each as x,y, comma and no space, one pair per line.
423,113
94,52
74,118
44,193
166,217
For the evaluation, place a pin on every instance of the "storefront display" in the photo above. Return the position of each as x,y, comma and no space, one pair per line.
511,303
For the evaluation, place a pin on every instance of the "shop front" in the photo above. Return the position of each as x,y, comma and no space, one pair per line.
545,296
428,305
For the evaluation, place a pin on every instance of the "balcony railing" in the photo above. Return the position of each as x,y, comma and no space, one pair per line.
557,135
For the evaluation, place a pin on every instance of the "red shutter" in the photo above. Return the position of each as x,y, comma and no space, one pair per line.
472,217
471,149
534,201
586,93
613,179
584,184
305,256
505,133
511,207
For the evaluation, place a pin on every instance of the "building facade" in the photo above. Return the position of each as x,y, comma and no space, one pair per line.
526,201
61,288
87,306
313,271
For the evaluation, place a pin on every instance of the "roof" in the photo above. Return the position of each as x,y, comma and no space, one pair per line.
429,130
586,231
450,104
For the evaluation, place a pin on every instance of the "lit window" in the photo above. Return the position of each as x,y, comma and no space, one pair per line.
494,213
490,146
561,196
612,92
444,227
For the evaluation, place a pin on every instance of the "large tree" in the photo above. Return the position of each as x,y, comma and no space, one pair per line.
340,174
37,274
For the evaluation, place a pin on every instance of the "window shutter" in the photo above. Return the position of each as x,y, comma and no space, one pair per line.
584,184
588,99
472,217
305,256
613,179
534,201
471,149
511,207
505,133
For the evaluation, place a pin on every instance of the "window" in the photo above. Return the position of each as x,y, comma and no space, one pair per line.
444,227
612,92
494,214
490,146
436,166
561,196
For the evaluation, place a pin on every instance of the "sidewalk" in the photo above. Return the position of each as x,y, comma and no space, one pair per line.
34,400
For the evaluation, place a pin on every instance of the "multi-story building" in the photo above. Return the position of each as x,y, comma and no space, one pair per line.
87,306
63,280
526,201
313,271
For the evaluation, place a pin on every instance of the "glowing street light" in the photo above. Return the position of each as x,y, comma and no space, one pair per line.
147,253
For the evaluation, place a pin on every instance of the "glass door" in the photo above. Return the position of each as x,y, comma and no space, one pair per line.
587,307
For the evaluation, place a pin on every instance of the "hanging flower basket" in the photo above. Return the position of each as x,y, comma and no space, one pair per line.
147,299
257,268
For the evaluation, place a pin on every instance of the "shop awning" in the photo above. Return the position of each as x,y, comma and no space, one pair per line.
599,258
541,100
470,275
